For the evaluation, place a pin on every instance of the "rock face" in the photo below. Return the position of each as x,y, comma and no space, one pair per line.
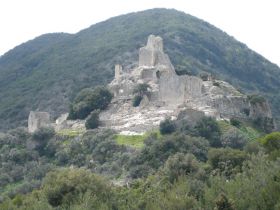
170,94
37,120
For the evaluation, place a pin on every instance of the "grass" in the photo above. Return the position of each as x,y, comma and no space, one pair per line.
136,141
70,132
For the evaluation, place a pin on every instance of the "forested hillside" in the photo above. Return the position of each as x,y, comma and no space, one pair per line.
45,73
203,165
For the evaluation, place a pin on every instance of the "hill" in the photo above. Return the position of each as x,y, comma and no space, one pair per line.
47,72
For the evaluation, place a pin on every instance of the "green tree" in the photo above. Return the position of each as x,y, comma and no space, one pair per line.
271,143
88,100
167,126
92,121
208,128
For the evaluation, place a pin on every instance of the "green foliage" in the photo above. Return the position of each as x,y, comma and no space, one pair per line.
167,126
235,122
234,138
226,161
136,141
179,165
41,138
139,92
157,151
208,128
64,187
88,100
92,121
223,203
141,89
265,124
271,143
256,99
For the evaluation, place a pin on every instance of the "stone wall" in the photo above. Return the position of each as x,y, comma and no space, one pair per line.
38,120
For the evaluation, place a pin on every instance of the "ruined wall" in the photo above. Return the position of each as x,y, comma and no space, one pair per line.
37,120
176,89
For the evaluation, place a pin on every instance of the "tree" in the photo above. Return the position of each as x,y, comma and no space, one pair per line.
167,126
223,203
271,143
233,138
92,121
88,100
41,138
208,128
139,91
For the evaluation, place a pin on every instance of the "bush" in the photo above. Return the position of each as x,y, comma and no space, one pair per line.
63,187
208,128
226,161
88,100
235,122
233,138
271,143
179,165
141,89
167,126
92,121
41,138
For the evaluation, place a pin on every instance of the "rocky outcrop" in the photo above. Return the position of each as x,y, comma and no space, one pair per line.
171,94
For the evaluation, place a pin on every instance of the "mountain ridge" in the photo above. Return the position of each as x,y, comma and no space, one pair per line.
50,69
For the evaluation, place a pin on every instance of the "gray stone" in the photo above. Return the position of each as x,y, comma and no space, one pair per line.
171,94
38,120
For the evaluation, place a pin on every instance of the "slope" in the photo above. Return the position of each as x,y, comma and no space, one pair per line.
45,73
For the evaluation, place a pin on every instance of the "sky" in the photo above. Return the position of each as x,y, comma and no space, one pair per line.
253,22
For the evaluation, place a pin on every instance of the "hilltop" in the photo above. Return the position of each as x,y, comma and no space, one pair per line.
46,73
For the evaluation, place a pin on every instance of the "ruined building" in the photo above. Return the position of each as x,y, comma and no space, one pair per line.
169,95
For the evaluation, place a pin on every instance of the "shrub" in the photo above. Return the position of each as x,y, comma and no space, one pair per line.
255,99
41,138
208,128
63,187
233,138
167,126
179,165
88,100
226,161
271,143
141,89
235,122
92,121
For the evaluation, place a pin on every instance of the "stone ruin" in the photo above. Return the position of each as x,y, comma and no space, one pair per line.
37,120
170,96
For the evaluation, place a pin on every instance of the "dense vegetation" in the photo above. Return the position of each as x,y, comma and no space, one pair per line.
89,100
195,165
47,72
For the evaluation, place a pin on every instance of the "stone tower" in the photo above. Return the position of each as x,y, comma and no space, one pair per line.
37,120
118,71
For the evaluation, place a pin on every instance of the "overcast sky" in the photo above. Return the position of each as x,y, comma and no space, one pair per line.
254,22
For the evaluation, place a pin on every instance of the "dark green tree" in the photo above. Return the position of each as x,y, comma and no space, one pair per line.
92,121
